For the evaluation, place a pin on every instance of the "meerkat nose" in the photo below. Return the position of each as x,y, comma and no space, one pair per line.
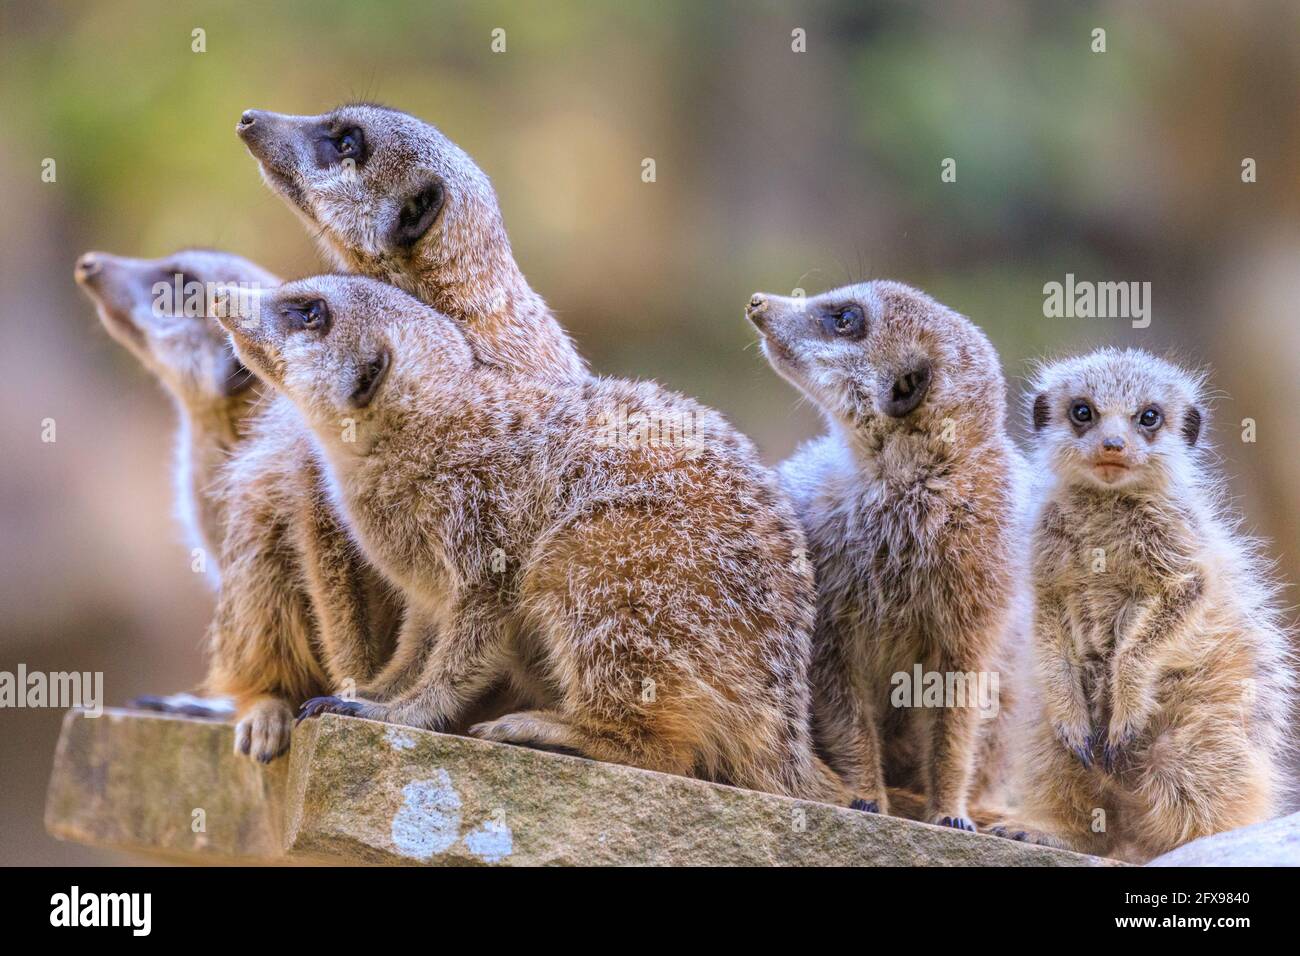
1112,444
247,120
88,266
757,308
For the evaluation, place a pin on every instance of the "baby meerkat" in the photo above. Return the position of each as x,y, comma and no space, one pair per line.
157,309
389,196
651,585
909,503
1165,674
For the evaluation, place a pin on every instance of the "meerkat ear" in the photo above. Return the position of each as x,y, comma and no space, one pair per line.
1041,412
1192,420
370,375
235,376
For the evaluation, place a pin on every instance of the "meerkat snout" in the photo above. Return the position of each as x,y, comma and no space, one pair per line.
87,268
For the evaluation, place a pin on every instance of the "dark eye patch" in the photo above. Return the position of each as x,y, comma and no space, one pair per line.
1082,415
416,215
311,315
1150,418
844,322
335,143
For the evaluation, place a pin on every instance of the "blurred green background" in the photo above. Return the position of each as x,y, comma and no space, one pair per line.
775,170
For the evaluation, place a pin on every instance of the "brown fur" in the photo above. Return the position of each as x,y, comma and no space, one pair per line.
1165,674
913,526
650,588
300,612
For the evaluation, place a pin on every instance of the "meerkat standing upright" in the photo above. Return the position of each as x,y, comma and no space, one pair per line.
652,586
910,507
191,355
156,309
389,196
1166,677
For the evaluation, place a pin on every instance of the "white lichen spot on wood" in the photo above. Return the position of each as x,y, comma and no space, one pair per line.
492,842
398,739
428,822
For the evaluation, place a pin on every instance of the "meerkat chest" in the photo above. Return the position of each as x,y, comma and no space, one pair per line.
1103,562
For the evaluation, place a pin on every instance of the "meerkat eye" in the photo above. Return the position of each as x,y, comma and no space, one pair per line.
333,146
1150,418
1081,412
417,215
349,144
313,316
848,322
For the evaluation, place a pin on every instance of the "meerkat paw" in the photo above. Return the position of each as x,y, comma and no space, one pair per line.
331,705
876,804
955,820
263,733
1022,834
1078,739
531,728
1119,738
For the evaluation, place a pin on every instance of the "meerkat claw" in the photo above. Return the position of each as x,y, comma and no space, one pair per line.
867,806
1008,833
1115,750
328,705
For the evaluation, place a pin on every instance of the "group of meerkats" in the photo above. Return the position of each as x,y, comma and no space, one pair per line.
407,473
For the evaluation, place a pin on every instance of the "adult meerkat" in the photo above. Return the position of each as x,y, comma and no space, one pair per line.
388,196
385,195
157,309
909,503
654,583
1165,674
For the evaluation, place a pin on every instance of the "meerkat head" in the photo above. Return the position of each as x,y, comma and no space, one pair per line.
160,310
1117,418
881,355
342,347
389,195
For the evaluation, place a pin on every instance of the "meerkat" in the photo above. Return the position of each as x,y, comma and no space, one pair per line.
389,196
909,502
1165,673
652,584
157,309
